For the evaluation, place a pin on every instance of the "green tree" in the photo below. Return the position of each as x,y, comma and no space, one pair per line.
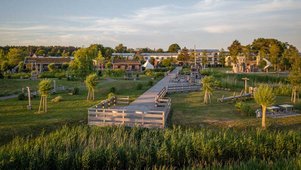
65,54
51,67
204,59
15,55
40,52
91,82
108,65
4,66
160,50
121,48
207,88
20,66
167,62
274,55
295,81
222,57
2,56
44,90
265,97
174,48
83,62
235,49
184,55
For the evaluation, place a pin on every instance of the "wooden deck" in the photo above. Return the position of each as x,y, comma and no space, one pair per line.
149,110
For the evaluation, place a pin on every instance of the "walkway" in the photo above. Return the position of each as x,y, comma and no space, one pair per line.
146,102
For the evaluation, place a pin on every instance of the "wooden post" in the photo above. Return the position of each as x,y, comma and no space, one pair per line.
54,86
163,119
246,84
29,107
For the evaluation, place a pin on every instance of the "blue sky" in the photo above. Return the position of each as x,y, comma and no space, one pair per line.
153,23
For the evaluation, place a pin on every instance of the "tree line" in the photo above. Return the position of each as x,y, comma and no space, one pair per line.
282,55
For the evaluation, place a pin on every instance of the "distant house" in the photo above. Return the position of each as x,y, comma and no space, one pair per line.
129,65
212,55
40,63
148,66
159,56
129,56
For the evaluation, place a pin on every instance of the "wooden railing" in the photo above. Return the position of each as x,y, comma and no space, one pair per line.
115,100
102,115
109,117
183,88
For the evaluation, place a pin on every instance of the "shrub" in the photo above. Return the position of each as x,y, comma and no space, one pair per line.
112,90
150,83
75,91
17,75
110,95
159,74
60,75
149,73
114,73
245,109
51,67
21,96
57,99
139,86
1,75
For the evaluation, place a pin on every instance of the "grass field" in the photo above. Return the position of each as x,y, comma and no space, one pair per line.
189,111
16,120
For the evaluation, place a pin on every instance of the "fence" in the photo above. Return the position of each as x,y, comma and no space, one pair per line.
183,88
109,117
113,101
101,115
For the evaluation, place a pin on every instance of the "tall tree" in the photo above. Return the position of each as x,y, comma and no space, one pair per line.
91,82
295,80
83,62
207,87
222,57
204,59
274,55
121,48
235,48
15,55
264,96
44,90
174,48
184,55
2,56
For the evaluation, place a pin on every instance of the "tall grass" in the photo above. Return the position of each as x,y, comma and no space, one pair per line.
83,147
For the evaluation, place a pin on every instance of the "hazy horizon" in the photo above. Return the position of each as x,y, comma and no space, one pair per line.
154,24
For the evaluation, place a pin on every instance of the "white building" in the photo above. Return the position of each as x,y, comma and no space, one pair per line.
124,55
212,55
159,56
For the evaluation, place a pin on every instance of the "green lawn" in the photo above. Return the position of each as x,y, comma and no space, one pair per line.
189,111
16,120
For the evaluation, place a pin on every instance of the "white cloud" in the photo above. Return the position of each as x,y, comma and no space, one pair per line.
171,22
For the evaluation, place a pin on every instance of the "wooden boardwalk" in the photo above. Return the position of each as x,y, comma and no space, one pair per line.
146,102
149,110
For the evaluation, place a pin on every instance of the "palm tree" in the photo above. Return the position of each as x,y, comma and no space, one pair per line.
264,96
44,89
295,80
91,81
207,83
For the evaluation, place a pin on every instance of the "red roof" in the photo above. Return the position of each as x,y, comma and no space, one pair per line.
47,60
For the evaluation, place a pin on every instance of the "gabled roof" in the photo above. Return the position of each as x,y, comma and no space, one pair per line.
158,54
47,60
207,50
123,54
126,62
